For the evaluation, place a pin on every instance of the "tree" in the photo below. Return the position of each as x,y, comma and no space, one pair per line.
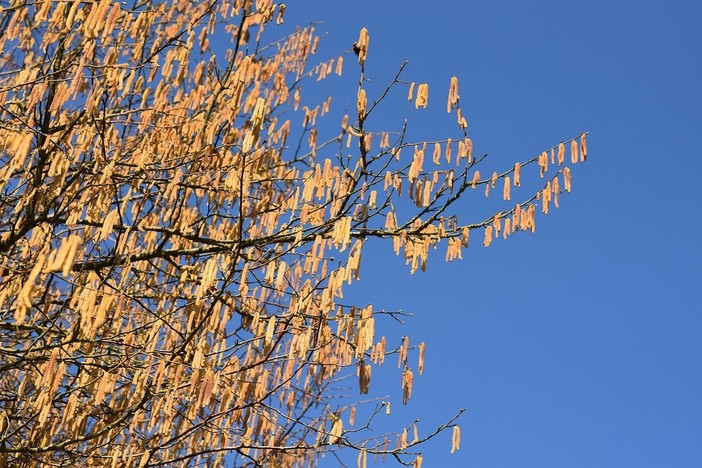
168,218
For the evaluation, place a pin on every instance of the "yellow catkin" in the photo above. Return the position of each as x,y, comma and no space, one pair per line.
402,440
574,152
465,235
426,195
372,200
497,224
545,198
566,179
366,141
362,458
320,435
361,47
506,190
407,383
420,365
352,416
296,99
543,163
24,296
561,153
281,11
390,222
270,330
583,147
453,94
462,122
417,164
516,218
337,429
462,150
455,439
364,376
58,257
402,355
280,277
339,66
108,224
73,243
488,236
361,103
476,178
436,155
517,174
422,96
448,151
71,14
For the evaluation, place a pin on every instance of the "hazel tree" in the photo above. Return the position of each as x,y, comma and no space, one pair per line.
168,217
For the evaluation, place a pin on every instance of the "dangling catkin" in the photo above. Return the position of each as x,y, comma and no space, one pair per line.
453,94
422,96
362,45
455,439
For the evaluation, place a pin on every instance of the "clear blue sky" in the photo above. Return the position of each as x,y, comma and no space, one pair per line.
580,346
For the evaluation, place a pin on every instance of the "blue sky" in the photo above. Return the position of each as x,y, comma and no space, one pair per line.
579,346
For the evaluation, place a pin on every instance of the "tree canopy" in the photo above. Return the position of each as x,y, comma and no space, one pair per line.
178,225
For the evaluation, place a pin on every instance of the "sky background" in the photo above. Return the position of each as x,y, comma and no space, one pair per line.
581,345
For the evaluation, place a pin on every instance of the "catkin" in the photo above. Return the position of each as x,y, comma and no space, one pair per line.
453,94
422,96
455,439
574,152
362,45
